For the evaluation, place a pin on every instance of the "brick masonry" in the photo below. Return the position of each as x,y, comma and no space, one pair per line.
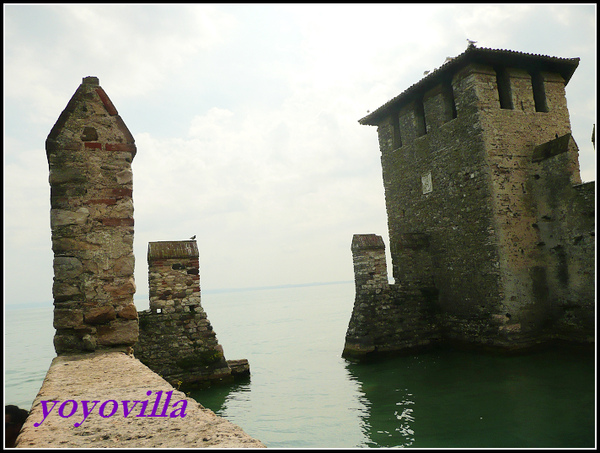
89,153
487,216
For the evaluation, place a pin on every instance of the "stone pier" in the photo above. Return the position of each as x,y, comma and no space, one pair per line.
107,377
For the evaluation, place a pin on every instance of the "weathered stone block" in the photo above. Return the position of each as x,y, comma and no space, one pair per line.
60,217
67,318
118,332
100,315
66,267
128,312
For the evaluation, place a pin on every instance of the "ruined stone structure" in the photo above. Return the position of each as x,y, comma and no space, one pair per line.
491,231
176,338
89,152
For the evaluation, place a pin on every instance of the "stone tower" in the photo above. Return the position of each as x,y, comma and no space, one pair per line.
487,215
89,153
176,338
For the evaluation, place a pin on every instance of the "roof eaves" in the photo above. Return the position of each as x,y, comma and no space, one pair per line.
475,54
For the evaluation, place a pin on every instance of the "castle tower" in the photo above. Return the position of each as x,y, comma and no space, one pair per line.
473,155
89,153
176,338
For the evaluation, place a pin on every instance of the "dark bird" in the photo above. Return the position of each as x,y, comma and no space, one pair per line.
193,237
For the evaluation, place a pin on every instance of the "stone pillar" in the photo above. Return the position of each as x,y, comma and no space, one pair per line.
370,267
89,153
371,290
177,340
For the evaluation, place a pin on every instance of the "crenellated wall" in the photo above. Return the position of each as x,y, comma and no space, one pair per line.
89,153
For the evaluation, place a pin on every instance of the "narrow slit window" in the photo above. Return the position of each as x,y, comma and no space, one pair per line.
396,137
421,125
539,92
504,90
450,105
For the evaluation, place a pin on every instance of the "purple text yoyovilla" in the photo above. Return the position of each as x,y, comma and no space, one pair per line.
109,408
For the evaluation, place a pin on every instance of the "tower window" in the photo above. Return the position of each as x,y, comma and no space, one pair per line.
449,104
396,137
539,92
420,125
504,90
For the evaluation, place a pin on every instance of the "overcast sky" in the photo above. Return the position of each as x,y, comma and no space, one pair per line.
246,121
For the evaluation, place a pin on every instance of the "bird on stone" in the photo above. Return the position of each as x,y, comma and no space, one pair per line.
193,237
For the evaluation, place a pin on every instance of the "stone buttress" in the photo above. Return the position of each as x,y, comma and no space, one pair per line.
89,153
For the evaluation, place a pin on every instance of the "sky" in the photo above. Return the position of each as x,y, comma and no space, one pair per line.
245,118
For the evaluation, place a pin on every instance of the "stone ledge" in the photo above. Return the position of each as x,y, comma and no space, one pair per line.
120,377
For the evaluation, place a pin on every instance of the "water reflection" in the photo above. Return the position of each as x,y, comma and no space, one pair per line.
452,399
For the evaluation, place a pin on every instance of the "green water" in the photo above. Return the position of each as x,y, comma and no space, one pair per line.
302,394
464,399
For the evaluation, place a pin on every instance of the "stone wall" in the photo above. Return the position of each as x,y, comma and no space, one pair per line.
176,339
565,226
385,318
472,177
89,153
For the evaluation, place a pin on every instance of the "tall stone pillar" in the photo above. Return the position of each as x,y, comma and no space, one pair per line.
89,153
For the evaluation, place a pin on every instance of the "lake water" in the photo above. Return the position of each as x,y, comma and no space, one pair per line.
302,394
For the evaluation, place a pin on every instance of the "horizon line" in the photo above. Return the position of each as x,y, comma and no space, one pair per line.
49,304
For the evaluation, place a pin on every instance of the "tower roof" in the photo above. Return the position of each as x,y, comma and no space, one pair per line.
507,58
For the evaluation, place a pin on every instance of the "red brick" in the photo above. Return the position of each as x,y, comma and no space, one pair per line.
93,145
120,193
108,105
111,221
120,147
